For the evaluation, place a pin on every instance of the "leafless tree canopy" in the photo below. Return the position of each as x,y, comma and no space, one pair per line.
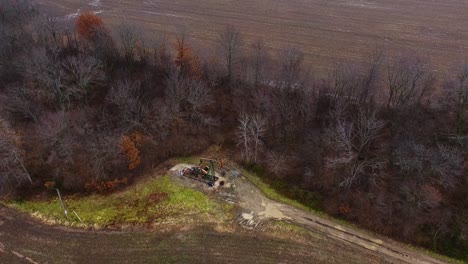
129,101
83,73
409,81
456,99
441,165
291,68
230,42
12,168
129,37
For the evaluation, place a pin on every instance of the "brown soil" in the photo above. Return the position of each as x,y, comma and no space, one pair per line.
328,31
22,240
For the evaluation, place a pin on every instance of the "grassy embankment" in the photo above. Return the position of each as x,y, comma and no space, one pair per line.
153,200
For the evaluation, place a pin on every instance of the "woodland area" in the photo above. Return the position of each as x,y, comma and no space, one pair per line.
87,108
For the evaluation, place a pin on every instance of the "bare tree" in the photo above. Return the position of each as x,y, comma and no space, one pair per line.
213,71
199,97
102,149
188,96
446,166
13,171
176,90
243,134
349,139
105,49
367,129
409,80
410,157
339,137
462,221
23,101
51,31
291,60
370,77
46,71
308,176
230,42
457,95
350,85
428,197
442,165
160,50
55,131
360,169
133,107
258,128
344,84
259,61
462,100
83,73
129,36
291,108
15,34
276,163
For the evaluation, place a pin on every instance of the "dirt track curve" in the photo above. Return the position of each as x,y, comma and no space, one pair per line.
383,246
257,208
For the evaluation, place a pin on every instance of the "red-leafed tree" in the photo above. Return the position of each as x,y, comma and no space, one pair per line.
184,54
130,150
88,24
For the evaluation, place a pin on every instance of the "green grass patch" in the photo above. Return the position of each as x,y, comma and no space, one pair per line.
272,191
153,200
291,195
188,159
273,194
437,255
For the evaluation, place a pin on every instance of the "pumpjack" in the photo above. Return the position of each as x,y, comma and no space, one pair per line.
205,171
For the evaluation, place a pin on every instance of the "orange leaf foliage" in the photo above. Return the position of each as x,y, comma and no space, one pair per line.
138,138
186,61
87,25
129,149
196,68
344,209
50,185
184,54
105,186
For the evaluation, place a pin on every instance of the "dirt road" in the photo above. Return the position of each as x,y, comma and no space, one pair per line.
393,251
257,208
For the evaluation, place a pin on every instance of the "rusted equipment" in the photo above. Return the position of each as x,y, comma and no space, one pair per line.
205,171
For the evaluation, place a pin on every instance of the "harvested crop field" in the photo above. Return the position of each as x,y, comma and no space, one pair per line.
22,240
327,31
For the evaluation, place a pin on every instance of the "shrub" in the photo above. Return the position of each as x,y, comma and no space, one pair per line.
87,25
